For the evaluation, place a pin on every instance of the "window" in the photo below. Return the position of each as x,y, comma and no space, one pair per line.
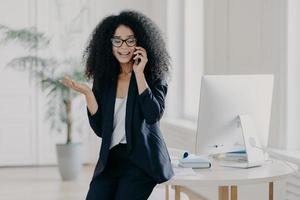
185,44
193,57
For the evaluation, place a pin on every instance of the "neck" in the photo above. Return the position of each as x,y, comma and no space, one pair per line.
126,68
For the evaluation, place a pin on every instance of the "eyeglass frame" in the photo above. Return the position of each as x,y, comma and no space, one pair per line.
111,39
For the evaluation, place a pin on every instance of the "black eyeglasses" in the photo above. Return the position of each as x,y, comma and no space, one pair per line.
117,42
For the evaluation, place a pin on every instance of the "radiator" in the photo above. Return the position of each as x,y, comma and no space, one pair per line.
293,187
293,181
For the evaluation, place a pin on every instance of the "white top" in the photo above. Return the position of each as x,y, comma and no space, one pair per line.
118,135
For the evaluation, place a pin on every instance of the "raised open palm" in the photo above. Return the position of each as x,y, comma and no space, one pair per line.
79,87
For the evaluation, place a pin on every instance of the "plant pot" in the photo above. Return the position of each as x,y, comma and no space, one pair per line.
69,160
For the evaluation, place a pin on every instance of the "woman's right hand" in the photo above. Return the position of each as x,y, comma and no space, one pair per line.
79,87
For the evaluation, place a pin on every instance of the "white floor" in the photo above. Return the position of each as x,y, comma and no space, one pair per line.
44,183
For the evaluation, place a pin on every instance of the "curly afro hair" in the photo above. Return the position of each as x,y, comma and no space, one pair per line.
103,67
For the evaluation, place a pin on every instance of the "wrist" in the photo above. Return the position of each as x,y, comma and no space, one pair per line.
88,93
139,73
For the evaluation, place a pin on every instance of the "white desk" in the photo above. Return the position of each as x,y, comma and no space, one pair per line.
227,179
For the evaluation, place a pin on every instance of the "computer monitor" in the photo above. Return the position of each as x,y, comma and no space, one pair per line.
224,101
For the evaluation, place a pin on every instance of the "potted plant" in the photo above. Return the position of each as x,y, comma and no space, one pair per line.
47,72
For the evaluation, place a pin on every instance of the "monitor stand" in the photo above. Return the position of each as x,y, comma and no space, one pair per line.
254,150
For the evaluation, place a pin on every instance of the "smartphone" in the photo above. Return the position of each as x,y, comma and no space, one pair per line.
137,61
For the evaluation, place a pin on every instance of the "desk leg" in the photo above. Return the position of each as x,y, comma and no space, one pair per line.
167,192
177,192
233,192
271,187
223,193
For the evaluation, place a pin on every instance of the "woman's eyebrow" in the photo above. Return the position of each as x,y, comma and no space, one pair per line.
128,36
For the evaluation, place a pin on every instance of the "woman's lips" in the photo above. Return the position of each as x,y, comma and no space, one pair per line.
124,54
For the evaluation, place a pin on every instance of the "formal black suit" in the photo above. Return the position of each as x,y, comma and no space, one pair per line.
145,145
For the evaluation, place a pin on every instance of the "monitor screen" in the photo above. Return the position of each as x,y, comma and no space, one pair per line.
223,98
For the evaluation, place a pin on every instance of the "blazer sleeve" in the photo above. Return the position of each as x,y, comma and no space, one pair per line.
95,120
152,101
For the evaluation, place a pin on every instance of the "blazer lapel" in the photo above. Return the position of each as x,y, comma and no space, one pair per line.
131,97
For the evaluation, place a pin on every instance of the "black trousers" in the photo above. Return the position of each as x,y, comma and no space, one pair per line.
121,179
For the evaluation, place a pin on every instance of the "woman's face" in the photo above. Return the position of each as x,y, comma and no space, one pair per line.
123,44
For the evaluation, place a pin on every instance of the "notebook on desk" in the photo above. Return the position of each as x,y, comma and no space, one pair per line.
193,161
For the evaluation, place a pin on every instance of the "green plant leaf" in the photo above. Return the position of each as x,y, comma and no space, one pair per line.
29,38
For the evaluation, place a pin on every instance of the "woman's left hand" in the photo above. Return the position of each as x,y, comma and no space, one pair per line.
139,54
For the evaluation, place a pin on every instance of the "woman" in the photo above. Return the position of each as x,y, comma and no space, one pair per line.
127,59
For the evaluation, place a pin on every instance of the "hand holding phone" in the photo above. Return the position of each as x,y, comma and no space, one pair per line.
140,59
137,61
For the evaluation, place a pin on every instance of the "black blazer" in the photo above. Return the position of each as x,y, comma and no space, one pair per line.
146,146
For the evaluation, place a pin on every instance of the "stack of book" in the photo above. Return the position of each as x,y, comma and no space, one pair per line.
193,161
237,156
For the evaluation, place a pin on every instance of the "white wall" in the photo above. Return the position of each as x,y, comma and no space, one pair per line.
18,139
293,74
